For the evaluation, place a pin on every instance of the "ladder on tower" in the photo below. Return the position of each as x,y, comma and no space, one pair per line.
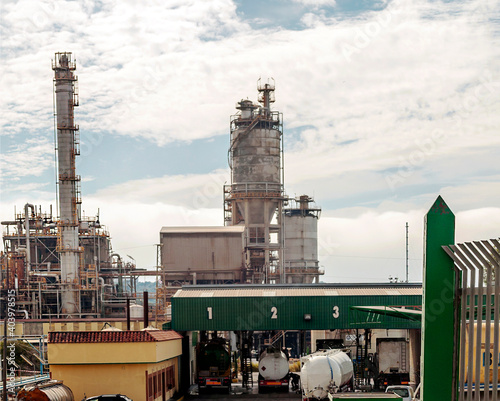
274,339
246,370
246,361
403,356
359,366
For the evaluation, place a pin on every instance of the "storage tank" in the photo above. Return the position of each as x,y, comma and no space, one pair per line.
273,370
52,390
325,372
256,155
256,167
136,311
301,241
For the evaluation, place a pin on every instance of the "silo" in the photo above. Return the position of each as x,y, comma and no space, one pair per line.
255,197
301,263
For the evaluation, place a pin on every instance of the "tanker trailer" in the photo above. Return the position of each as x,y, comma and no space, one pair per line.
325,372
52,390
214,365
273,371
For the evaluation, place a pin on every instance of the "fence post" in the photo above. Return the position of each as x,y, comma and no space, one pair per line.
438,301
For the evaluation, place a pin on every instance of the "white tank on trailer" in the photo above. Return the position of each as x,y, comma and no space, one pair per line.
325,372
273,364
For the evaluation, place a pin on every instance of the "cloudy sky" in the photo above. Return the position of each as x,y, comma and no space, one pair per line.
386,105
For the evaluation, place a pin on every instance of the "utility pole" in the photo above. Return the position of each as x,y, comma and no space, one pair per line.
406,251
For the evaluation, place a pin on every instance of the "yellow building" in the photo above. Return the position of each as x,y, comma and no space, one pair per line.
143,365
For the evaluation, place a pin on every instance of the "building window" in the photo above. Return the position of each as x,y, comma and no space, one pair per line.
159,383
170,377
149,388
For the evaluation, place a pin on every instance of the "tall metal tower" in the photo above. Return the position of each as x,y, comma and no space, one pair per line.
255,197
66,98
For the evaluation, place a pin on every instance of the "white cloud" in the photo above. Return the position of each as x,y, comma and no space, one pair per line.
329,3
193,192
370,245
407,95
28,158
135,226
161,65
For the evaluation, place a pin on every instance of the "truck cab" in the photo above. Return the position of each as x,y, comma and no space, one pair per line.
405,392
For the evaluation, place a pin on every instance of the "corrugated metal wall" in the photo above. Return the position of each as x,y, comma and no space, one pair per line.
284,313
204,252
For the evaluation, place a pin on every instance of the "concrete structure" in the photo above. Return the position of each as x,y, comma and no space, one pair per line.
301,241
255,197
203,255
143,365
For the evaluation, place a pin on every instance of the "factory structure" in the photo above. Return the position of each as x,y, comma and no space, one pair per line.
267,237
63,266
64,271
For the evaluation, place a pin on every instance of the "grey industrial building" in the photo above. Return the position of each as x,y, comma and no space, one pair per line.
267,237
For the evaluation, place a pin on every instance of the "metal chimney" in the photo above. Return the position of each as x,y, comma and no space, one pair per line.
66,99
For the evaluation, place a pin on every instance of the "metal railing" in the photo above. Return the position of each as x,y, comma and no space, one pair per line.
476,264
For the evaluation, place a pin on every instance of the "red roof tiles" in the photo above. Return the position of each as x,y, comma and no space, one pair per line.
112,336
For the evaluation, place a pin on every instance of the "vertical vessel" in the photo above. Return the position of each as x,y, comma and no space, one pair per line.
66,98
301,262
255,197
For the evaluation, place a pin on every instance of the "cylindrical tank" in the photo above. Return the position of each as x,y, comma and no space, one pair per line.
301,242
256,151
273,364
214,365
52,390
256,161
324,373
213,358
136,311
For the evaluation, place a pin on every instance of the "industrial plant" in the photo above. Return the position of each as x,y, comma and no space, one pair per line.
247,289
62,264
267,237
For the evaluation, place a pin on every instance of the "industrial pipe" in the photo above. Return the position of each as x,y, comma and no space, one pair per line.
120,279
146,309
27,228
128,314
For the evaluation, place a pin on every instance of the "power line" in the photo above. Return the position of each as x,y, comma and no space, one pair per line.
370,257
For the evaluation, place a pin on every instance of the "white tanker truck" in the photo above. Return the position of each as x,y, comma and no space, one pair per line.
273,371
325,372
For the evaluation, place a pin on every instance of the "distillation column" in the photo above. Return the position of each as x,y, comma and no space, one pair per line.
69,194
255,197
